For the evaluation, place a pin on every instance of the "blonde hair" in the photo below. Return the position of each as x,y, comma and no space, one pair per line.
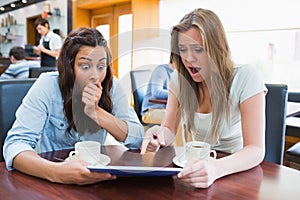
221,70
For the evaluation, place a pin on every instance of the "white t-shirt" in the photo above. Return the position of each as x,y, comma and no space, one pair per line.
246,83
53,39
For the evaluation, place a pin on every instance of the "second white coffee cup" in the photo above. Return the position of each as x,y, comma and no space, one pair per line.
199,150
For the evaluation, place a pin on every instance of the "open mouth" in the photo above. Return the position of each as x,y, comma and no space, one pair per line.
195,70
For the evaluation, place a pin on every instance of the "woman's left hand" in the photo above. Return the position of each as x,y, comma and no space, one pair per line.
90,97
199,173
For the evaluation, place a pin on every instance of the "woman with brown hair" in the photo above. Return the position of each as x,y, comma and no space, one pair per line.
83,101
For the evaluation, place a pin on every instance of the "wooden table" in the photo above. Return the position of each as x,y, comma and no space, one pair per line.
293,109
158,101
266,181
37,58
3,68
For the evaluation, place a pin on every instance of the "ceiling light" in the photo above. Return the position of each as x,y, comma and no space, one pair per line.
24,1
2,8
12,5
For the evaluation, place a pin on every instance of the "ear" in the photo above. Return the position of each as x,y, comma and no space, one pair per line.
12,59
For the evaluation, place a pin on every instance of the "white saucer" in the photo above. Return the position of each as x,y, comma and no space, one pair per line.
102,160
180,160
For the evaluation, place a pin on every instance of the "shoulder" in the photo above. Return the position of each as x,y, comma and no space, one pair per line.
174,78
53,35
48,81
28,63
115,81
161,68
174,75
115,84
247,82
45,88
49,75
160,72
246,73
55,39
244,69
119,86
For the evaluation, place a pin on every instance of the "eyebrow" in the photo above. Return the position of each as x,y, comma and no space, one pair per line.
89,59
192,45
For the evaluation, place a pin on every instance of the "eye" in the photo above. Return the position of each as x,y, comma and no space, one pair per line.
101,67
182,49
199,49
85,66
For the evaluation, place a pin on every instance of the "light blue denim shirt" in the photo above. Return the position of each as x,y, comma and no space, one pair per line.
157,88
41,123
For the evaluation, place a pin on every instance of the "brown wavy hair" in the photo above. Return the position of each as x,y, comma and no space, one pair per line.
221,70
75,40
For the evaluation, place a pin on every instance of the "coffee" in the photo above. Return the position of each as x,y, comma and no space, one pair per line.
199,150
195,146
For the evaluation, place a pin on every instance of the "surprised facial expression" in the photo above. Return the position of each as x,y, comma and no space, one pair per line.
193,56
90,65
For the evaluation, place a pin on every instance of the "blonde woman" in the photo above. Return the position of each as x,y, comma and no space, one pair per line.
224,102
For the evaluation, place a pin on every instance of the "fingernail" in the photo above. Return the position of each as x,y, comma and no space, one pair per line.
179,175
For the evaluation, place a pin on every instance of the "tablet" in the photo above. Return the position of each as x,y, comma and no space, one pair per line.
136,170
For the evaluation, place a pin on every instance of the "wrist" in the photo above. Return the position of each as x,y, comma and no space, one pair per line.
52,172
97,115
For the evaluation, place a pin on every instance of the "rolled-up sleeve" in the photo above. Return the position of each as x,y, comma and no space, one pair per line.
15,149
30,119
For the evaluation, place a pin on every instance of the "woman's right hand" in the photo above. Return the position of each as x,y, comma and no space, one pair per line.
76,172
90,97
153,139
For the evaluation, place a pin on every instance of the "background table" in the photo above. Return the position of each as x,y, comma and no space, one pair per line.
3,68
266,181
158,101
293,109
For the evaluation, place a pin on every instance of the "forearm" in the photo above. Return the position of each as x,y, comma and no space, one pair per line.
247,158
116,127
169,136
30,163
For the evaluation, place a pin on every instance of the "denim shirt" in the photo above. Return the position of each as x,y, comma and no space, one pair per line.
157,87
41,123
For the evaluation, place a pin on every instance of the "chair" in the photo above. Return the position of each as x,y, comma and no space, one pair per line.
292,156
294,96
293,123
139,83
12,92
276,100
36,71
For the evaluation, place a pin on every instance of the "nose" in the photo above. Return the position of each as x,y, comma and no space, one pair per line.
190,56
95,74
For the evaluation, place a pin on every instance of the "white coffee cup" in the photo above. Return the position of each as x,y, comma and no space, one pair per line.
87,151
200,150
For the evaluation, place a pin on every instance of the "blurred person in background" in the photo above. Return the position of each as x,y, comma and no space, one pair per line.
19,67
50,43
